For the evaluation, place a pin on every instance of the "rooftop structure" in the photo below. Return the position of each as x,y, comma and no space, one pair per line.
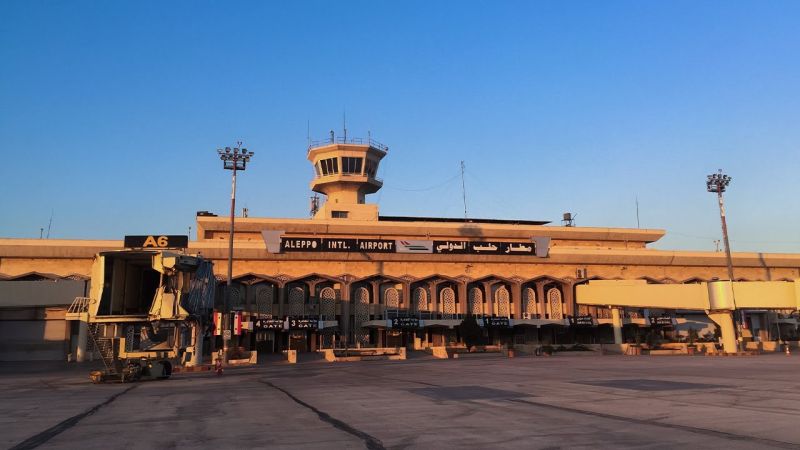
346,172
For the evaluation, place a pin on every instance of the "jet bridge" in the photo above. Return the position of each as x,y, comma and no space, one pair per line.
150,304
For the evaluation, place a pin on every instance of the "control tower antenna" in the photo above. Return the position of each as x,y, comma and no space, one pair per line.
344,125
463,190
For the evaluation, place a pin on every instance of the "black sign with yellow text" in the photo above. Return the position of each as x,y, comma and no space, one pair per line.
157,241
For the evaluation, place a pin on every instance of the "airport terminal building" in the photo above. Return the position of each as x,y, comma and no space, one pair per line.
366,279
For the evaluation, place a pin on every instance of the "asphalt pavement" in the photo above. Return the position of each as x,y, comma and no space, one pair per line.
487,401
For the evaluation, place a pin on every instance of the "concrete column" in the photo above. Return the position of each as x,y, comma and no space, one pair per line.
516,298
541,307
345,317
725,321
462,298
569,299
282,300
489,299
406,298
616,323
83,338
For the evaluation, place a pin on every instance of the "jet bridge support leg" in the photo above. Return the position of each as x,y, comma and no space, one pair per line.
197,337
725,321
83,338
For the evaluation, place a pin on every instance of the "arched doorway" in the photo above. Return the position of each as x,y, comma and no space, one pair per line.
327,311
475,301
361,315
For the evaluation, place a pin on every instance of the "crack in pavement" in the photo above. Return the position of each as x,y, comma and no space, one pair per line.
715,433
370,441
46,435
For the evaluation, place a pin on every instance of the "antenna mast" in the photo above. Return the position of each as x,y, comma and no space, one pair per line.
50,224
344,125
463,190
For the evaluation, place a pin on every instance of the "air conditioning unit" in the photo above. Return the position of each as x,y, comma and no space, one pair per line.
581,273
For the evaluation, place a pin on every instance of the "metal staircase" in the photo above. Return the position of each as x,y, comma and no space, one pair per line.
105,347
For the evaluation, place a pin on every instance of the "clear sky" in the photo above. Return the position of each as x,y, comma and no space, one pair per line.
110,112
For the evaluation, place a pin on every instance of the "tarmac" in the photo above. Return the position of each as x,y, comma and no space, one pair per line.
477,401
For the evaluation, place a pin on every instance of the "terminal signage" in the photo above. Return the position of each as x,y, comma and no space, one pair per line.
581,321
348,245
484,248
299,244
157,241
303,324
496,322
663,320
405,322
269,324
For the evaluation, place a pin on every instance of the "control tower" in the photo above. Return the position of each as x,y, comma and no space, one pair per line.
345,171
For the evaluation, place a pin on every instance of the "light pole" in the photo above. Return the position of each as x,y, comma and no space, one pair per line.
234,159
718,183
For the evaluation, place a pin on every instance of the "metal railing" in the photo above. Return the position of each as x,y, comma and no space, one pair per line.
79,305
342,140
338,174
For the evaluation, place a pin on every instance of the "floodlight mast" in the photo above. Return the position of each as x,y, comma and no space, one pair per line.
233,159
718,183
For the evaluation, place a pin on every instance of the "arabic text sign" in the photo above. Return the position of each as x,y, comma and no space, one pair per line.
405,322
303,324
484,248
581,321
661,320
269,324
347,245
496,322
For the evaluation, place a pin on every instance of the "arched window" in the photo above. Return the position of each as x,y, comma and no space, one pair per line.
529,302
297,299
264,299
556,308
327,300
237,296
420,300
475,301
503,301
448,299
361,315
391,298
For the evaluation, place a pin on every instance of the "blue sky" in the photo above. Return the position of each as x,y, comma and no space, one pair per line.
110,112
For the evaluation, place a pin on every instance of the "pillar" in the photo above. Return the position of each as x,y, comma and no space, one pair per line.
345,316
463,298
83,338
516,299
541,305
197,337
725,321
568,299
616,323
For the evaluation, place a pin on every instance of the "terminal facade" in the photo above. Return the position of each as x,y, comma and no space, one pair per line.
360,275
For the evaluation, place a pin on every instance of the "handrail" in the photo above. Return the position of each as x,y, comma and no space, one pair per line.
79,305
342,140
342,174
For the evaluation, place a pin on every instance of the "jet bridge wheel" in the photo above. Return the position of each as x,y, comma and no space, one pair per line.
167,370
97,376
